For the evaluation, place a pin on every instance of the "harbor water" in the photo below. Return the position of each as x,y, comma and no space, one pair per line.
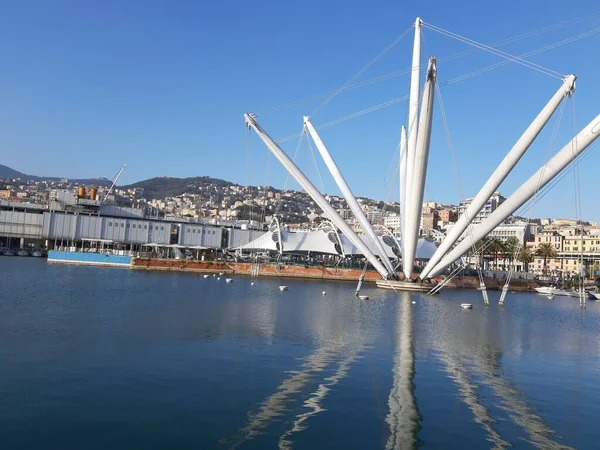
96,358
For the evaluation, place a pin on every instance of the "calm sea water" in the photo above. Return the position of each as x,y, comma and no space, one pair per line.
96,358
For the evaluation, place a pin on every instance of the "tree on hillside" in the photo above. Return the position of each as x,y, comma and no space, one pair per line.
547,251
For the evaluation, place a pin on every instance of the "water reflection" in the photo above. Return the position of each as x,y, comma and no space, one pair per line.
464,345
341,332
315,400
403,417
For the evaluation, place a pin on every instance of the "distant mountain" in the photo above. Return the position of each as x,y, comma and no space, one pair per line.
161,187
7,172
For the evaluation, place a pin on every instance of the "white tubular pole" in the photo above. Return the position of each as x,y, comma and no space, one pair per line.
314,193
413,111
537,181
403,155
415,202
349,196
504,168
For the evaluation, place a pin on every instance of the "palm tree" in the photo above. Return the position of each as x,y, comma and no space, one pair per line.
511,246
496,247
546,251
480,249
525,256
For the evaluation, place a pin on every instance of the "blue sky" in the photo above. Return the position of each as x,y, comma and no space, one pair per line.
162,86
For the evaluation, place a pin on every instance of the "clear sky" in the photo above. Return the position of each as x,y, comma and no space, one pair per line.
162,86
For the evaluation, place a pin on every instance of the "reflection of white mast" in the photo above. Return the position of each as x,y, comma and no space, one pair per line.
316,398
481,355
403,417
468,392
277,404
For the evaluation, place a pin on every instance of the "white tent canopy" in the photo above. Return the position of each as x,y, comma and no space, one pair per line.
324,242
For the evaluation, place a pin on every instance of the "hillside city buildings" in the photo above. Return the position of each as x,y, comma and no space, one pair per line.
220,203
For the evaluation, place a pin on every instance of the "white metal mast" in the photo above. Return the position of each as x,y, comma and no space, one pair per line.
527,190
403,155
115,179
413,126
415,201
501,172
314,193
349,196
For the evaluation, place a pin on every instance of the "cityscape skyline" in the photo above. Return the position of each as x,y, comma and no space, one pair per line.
149,86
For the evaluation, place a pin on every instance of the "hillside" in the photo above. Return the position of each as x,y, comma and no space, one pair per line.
161,187
7,172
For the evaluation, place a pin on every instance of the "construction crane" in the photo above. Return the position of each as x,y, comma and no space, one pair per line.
114,182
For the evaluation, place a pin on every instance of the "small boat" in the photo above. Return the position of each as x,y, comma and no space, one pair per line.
228,280
550,290
22,252
414,303
252,283
283,288
8,252
323,293
363,297
214,275
595,295
36,254
205,276
466,306
221,274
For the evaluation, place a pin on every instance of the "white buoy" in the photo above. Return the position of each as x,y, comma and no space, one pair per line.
414,303
228,280
218,278
221,274
252,284
363,297
205,276
214,275
283,288
324,293
466,306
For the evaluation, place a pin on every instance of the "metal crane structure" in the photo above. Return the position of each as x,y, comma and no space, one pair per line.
414,154
114,182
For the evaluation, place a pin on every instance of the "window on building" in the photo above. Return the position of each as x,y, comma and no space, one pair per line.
194,230
145,227
162,228
156,227
122,225
133,225
110,224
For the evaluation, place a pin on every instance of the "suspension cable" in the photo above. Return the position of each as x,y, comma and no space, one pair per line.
445,59
363,70
495,51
